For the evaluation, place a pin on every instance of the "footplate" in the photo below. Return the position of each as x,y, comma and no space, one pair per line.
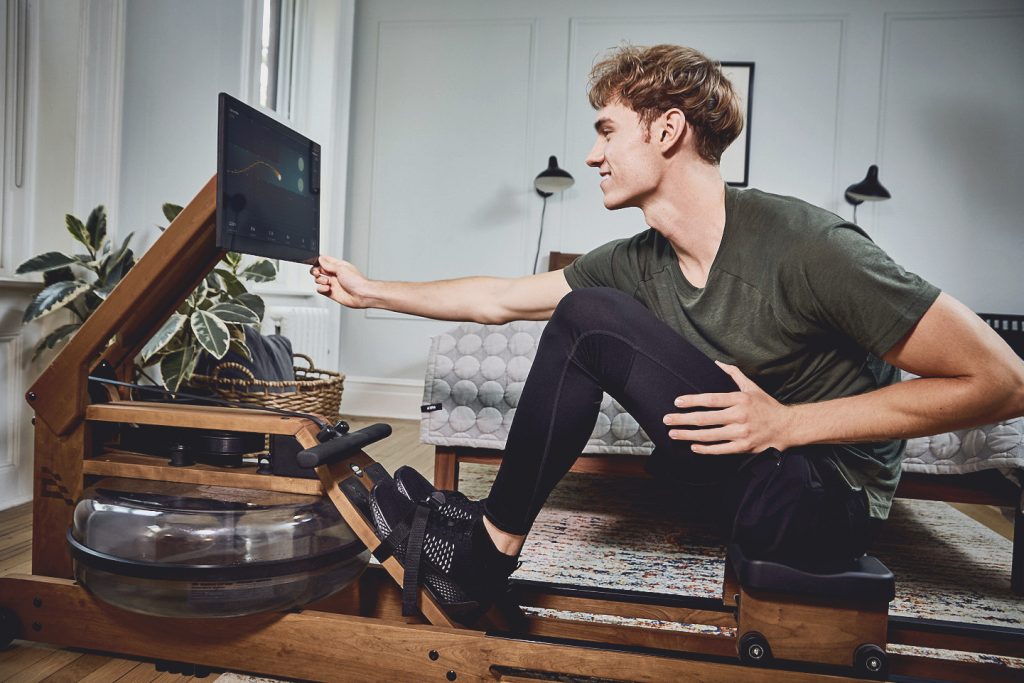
348,483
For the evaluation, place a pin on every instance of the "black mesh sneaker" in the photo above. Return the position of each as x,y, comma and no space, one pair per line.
454,504
462,569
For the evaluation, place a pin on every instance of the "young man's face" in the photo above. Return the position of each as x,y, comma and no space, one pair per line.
625,155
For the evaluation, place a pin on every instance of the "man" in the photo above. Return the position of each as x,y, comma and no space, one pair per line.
744,331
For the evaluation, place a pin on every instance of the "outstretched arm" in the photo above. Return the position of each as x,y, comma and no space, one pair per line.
968,376
476,299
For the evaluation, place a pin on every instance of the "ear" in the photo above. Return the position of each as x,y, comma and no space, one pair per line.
670,129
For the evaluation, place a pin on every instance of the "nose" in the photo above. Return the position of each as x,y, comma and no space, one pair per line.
596,156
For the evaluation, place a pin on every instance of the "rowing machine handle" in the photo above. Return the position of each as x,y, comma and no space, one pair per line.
342,446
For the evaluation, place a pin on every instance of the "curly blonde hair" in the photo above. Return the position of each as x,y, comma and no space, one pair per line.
652,80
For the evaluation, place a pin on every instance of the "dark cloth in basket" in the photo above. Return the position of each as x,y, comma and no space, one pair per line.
271,359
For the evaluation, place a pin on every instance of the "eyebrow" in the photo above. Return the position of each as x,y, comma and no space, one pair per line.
601,122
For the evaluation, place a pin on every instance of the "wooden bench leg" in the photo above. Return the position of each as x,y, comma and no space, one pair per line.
1017,563
446,468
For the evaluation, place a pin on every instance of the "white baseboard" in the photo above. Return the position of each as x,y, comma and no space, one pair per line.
382,397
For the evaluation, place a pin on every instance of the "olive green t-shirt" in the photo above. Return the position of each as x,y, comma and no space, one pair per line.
803,302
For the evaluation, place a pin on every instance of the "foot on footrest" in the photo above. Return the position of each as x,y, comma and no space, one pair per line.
418,489
453,558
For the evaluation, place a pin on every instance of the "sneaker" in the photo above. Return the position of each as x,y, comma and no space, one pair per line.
454,504
438,552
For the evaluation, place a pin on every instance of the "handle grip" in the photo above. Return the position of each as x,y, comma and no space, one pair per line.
342,446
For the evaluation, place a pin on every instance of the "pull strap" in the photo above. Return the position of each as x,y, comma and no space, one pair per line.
413,560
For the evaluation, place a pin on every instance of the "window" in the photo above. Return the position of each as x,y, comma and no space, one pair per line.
13,92
277,29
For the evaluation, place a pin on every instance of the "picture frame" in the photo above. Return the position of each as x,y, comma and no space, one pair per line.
735,163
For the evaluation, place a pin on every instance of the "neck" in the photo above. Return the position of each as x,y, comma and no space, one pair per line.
689,210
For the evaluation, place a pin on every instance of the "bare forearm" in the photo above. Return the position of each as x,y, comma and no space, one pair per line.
909,409
471,299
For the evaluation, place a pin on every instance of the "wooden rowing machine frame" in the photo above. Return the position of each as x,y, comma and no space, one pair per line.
359,633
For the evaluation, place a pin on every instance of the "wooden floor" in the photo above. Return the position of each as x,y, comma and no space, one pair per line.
25,662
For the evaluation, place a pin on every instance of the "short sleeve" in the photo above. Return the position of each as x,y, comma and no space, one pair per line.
855,287
601,267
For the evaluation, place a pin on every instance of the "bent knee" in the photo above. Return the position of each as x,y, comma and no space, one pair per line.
583,307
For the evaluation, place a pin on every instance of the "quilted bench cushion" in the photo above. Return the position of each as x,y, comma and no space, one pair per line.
475,375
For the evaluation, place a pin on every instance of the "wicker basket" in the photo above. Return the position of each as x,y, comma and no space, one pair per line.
312,390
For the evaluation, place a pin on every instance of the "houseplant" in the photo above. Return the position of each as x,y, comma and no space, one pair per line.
211,319
78,283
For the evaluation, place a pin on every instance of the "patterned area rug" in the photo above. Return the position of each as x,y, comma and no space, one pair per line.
629,534
632,535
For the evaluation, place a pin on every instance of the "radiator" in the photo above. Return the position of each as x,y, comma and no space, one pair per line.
310,329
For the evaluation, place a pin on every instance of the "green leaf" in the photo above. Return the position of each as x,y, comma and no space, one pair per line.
171,211
260,271
78,231
211,333
117,257
103,291
53,298
198,295
253,302
96,227
241,349
232,285
213,281
176,367
116,272
54,338
235,313
163,336
51,260
58,275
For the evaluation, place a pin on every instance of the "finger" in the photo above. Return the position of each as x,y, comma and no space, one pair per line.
706,400
323,289
701,418
701,435
742,381
726,448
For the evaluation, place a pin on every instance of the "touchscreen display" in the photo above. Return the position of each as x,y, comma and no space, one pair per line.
268,186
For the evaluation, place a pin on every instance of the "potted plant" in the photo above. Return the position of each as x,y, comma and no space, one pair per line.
211,320
78,283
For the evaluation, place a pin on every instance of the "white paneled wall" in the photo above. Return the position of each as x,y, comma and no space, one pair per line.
458,103
951,138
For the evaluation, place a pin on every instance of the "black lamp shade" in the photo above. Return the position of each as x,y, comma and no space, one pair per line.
867,190
552,179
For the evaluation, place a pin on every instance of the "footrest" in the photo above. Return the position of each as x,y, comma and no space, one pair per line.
866,580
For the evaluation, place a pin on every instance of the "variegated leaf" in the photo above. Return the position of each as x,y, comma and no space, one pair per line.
241,349
78,231
211,333
232,285
263,270
51,260
164,335
253,302
53,298
233,259
96,228
176,367
235,313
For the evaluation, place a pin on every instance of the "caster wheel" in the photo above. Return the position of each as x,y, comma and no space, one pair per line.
753,649
870,661
10,627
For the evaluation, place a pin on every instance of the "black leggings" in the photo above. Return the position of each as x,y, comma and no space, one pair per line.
792,508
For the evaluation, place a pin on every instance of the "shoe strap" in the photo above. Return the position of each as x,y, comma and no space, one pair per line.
414,559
